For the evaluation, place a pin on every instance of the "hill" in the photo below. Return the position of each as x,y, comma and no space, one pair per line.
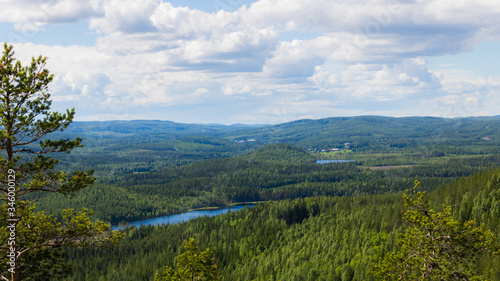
380,133
362,134
322,222
271,172
322,238
145,127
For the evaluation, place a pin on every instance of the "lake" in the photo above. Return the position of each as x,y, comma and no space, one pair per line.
172,219
332,161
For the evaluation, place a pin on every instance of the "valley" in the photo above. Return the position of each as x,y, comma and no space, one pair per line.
326,221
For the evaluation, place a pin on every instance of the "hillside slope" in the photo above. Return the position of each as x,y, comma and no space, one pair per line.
377,132
322,238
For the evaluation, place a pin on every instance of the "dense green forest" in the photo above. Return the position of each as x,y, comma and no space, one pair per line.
384,134
320,238
271,172
154,168
320,221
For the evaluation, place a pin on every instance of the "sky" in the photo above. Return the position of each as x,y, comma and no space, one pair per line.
262,61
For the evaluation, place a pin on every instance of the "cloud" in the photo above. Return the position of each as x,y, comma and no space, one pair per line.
297,58
150,53
411,72
410,78
184,38
323,78
32,15
128,16
386,30
358,31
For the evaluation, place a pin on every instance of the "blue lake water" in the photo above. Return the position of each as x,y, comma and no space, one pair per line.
332,161
182,217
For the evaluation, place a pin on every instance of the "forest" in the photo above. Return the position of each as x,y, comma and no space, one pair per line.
316,238
314,221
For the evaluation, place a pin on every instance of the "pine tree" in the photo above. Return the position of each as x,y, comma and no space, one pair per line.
27,238
435,246
191,265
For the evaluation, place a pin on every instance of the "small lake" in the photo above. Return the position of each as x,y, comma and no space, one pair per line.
332,161
172,219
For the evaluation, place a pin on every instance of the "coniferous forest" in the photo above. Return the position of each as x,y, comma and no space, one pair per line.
333,221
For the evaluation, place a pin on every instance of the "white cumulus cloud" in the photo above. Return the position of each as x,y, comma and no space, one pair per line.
151,53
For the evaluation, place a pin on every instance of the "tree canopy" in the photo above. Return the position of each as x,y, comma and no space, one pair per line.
191,265
435,246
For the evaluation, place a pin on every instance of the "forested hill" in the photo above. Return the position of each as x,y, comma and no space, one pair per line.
140,127
362,132
380,132
321,238
335,220
269,172
169,172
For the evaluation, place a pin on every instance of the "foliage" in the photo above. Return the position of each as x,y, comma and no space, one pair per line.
436,246
129,192
424,135
191,265
153,168
320,238
25,123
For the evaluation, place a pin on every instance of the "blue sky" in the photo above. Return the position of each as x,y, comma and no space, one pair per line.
262,61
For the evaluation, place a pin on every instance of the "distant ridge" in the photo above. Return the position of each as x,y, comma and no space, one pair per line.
134,127
326,133
377,130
